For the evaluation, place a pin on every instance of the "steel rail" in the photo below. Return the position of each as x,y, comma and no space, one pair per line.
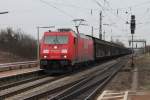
100,87
69,90
81,87
58,85
52,87
13,84
6,93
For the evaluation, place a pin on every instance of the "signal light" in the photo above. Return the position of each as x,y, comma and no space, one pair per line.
132,24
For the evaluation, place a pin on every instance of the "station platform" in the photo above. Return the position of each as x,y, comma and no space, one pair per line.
133,84
17,72
123,95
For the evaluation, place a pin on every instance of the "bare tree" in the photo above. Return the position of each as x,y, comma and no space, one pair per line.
119,42
18,43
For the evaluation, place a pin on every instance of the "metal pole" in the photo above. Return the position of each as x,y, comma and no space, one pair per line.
38,42
145,47
104,35
100,26
92,31
132,64
111,38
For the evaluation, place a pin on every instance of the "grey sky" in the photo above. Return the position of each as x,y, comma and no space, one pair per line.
27,14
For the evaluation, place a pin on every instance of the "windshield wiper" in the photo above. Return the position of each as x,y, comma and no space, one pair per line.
57,39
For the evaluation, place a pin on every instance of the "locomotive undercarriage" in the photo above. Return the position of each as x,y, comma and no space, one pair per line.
55,66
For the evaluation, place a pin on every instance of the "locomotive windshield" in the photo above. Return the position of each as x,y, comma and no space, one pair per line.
56,39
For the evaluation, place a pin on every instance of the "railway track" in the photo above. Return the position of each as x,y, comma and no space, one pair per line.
25,85
61,87
88,88
98,89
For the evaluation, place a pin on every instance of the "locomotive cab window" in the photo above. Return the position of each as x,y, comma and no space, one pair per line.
56,39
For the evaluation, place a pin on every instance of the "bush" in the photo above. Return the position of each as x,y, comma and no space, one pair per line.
18,43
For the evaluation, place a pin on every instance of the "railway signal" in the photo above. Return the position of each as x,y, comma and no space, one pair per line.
132,24
132,27
100,26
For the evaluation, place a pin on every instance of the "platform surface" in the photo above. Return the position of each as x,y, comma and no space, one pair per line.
17,72
142,63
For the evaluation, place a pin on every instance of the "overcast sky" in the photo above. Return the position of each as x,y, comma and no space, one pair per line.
28,14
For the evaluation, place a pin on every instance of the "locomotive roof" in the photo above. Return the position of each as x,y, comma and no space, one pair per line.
62,32
66,30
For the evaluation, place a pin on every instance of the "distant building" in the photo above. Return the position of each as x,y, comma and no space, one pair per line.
148,48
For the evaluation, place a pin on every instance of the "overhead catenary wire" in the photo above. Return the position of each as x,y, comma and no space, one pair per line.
130,7
111,20
75,6
65,13
115,15
137,5
60,10
70,5
99,4
103,8
88,10
110,9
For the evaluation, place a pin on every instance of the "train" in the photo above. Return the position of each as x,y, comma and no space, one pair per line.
62,49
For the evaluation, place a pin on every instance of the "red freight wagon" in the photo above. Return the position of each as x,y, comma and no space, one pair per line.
62,49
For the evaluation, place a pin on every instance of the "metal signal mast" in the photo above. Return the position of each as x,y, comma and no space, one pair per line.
132,27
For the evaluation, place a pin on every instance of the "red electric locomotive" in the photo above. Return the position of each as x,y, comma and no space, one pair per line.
62,49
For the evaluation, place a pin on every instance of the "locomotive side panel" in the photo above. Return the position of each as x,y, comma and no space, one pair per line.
85,49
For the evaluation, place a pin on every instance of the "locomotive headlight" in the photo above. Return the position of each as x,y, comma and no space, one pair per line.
55,47
65,56
45,56
46,51
64,51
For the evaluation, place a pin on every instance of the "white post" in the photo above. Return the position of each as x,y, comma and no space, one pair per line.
38,41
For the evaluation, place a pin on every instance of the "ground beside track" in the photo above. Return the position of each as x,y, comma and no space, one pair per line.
143,66
6,57
124,79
